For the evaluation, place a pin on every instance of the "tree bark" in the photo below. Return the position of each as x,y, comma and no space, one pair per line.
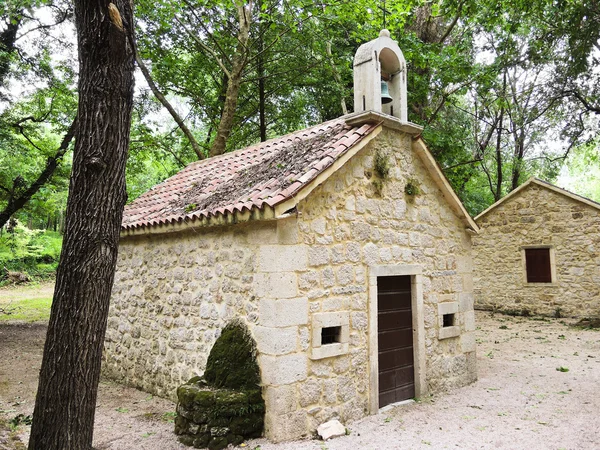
8,38
235,80
65,404
260,72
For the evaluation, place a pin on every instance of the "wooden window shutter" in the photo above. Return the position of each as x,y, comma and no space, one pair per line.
537,261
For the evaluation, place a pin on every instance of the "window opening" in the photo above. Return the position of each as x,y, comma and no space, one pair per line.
448,320
330,335
537,263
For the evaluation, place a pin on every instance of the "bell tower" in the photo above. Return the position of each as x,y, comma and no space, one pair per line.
375,63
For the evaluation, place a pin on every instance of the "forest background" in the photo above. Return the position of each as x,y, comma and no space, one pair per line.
505,90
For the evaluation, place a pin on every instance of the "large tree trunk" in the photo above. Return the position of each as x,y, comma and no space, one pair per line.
64,410
235,79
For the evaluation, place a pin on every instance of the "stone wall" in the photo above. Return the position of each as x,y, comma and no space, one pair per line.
173,293
539,216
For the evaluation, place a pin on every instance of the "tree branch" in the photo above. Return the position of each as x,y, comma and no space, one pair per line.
162,99
15,204
205,48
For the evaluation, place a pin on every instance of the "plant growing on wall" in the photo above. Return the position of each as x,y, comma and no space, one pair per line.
412,188
381,164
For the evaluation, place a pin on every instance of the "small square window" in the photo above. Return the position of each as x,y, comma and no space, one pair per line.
537,265
448,320
330,335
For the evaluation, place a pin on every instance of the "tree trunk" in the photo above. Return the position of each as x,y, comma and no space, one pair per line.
234,81
66,401
260,72
8,38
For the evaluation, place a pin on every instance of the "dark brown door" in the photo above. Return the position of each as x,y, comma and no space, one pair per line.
395,335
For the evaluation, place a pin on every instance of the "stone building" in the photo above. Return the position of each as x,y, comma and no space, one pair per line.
342,247
538,252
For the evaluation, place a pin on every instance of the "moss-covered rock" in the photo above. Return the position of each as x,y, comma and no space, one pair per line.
226,405
232,361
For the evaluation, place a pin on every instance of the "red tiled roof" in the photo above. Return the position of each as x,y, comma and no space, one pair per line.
264,174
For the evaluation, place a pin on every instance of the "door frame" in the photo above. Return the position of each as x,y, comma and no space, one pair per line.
416,287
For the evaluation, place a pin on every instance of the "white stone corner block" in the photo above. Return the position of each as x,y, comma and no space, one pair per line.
282,370
282,258
276,285
466,301
276,341
283,313
468,342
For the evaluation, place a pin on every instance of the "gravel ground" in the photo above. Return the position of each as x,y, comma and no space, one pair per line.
521,399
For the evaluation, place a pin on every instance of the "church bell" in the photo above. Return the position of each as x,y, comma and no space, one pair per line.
385,93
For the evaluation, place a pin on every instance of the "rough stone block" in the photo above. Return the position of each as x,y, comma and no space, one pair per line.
282,258
283,313
286,427
310,392
280,399
276,285
371,254
281,370
318,256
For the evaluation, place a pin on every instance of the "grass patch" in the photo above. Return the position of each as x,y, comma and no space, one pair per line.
12,437
33,309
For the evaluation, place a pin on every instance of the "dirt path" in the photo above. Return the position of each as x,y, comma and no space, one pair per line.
521,400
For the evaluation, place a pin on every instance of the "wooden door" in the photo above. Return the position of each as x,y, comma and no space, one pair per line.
395,340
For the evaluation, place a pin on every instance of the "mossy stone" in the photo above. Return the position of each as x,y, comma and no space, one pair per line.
235,439
204,398
186,439
218,421
181,425
202,440
186,394
218,443
200,417
228,398
232,360
247,425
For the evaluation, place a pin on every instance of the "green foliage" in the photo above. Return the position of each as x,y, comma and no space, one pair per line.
412,188
232,360
382,165
35,252
582,171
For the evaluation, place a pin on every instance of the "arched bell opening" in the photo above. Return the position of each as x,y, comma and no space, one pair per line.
390,69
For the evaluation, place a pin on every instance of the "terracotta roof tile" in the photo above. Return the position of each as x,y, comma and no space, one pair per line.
267,173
